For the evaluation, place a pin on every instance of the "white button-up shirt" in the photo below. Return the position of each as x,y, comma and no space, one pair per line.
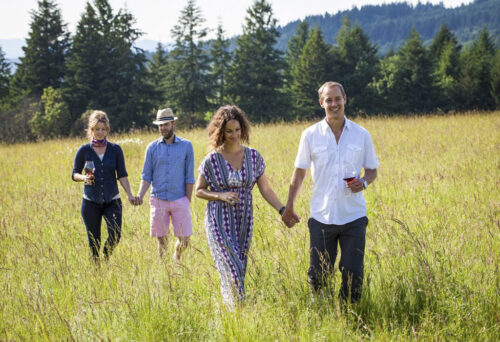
332,202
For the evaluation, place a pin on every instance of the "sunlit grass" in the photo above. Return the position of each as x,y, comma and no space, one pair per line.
431,266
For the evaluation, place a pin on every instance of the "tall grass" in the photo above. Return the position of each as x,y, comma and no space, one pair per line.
431,266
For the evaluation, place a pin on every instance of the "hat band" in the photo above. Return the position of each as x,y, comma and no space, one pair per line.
166,118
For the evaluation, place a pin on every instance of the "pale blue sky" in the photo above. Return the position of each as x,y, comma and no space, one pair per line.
157,17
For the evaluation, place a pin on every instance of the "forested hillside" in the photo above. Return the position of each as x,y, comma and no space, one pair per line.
64,76
389,25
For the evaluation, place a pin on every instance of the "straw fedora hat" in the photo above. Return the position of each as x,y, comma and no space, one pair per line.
164,116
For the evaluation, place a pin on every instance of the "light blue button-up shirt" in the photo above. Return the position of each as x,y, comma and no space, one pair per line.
169,167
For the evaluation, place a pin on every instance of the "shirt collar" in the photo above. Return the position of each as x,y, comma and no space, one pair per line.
176,140
325,126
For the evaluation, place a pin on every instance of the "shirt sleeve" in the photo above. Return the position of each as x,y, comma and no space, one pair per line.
121,170
147,169
303,159
370,160
189,166
260,166
202,169
79,161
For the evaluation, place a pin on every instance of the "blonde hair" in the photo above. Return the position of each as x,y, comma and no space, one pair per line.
328,85
97,116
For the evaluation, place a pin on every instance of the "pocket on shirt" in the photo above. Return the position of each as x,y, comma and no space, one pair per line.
319,155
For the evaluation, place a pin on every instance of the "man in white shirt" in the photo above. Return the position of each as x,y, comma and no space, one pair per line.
335,149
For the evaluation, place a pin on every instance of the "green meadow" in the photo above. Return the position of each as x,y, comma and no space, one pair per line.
431,265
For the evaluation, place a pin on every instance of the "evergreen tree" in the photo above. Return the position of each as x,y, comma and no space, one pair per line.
188,79
294,50
105,71
405,83
445,54
355,65
45,51
476,77
158,73
310,71
255,79
5,76
495,70
221,61
52,117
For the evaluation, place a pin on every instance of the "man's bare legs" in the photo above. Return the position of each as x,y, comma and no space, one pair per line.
181,245
162,245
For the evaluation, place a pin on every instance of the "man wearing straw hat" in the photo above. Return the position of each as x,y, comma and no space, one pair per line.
169,167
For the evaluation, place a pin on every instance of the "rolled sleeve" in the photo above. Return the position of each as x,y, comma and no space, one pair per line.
147,169
303,159
189,166
121,170
370,157
78,163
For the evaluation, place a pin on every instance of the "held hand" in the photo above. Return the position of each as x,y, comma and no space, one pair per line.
289,217
138,200
230,197
132,199
89,179
355,185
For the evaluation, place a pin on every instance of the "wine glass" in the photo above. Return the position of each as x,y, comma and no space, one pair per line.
234,180
348,175
89,169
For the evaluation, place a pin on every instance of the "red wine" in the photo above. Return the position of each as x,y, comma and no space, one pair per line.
89,171
349,179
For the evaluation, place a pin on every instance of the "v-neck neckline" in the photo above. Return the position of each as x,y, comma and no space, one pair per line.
97,154
231,167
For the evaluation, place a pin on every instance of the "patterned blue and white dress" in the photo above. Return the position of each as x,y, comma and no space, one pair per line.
229,227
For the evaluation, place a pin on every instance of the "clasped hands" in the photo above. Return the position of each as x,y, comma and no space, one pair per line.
290,217
135,200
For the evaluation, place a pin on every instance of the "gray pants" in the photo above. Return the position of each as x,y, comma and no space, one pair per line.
323,251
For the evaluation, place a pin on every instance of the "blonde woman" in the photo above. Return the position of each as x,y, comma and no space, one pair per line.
101,197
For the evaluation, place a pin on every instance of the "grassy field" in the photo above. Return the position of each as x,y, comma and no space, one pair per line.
431,266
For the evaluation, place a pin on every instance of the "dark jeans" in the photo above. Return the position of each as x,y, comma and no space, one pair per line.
92,214
324,240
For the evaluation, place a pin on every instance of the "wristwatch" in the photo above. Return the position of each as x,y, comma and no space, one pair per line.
365,183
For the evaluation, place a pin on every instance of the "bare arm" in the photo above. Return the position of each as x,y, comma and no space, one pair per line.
143,188
126,186
289,215
268,193
189,191
203,192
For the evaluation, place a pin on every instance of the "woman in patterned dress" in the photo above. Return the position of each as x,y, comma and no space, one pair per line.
227,177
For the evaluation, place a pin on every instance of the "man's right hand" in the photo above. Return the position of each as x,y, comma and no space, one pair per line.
289,217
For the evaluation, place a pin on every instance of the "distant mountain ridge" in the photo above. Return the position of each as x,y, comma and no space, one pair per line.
386,25
389,25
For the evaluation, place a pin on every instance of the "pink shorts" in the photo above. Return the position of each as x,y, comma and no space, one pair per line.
161,211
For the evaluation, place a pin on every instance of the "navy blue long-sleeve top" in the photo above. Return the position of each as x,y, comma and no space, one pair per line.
107,171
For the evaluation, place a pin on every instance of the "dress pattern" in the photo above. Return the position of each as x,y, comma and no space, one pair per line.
229,227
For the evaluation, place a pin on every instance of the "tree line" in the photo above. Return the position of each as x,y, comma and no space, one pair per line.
388,25
62,77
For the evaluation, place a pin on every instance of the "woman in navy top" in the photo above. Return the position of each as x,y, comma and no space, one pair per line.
101,197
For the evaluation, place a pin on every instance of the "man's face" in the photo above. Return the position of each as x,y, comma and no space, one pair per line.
167,129
333,102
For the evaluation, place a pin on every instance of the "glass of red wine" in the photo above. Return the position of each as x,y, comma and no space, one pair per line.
89,169
348,175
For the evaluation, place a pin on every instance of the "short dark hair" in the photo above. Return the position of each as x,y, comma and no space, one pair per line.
218,123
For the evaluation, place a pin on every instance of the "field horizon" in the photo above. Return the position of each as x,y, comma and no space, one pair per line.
431,264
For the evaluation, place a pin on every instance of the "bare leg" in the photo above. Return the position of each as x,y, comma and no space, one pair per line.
181,244
162,245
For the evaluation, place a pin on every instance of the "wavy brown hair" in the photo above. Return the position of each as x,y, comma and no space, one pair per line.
218,123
